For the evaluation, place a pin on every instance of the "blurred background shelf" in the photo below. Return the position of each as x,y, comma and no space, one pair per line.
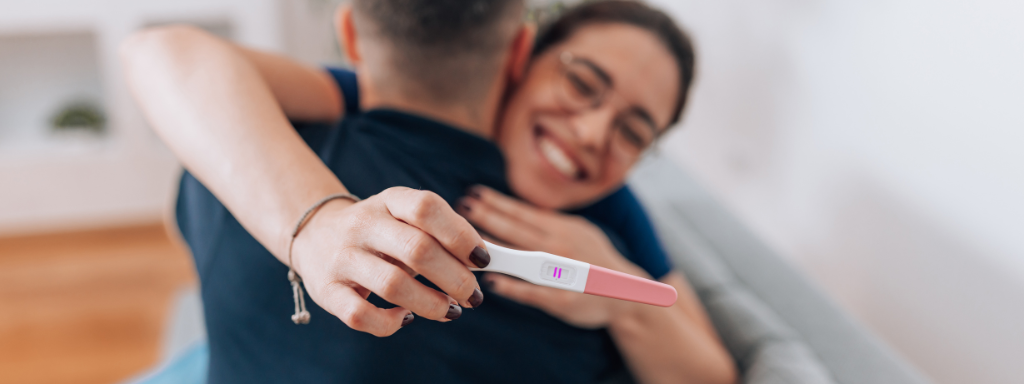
55,53
41,74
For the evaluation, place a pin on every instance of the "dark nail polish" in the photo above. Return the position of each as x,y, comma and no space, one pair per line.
454,311
474,191
476,299
408,319
463,205
480,257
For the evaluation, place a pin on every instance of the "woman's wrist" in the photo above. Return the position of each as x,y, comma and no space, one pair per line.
632,320
303,243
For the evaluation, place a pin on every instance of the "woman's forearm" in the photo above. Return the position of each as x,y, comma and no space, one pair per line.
672,345
212,107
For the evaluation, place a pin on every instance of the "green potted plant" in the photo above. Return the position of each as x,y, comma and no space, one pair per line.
79,118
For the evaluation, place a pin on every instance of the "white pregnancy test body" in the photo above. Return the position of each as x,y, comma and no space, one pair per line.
572,275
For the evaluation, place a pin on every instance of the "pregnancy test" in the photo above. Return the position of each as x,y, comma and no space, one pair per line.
573,275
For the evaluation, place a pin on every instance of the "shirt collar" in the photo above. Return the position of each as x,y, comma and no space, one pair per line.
459,151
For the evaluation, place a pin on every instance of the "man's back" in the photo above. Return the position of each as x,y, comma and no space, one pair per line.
247,300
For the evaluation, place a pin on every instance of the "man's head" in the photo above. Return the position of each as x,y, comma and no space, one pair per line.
436,51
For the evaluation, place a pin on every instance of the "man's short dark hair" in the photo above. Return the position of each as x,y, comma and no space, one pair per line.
440,48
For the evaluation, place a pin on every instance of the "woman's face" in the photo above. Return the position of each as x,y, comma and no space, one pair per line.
584,112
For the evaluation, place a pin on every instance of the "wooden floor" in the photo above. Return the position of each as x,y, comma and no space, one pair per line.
87,307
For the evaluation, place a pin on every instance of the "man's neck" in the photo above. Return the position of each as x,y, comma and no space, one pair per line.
477,117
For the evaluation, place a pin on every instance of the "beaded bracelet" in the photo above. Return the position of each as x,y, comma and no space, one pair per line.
301,315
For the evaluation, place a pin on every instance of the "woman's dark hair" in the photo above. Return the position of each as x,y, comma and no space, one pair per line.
630,13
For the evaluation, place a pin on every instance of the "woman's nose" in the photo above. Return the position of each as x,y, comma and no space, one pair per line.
593,127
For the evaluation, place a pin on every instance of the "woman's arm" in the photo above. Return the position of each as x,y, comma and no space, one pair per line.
660,345
227,124
303,92
218,112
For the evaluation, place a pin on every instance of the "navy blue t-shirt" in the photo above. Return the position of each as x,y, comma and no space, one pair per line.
619,213
247,300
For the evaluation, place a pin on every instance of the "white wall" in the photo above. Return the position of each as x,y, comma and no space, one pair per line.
53,183
876,144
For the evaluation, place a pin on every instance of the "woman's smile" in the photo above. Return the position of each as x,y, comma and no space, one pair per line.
560,160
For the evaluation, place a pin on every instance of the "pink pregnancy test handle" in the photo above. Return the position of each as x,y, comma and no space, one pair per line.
573,275
617,285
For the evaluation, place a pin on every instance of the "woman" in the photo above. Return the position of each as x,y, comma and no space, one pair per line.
574,125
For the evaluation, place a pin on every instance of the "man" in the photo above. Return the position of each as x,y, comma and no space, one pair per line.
425,67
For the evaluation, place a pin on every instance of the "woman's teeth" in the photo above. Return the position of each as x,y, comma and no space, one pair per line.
558,158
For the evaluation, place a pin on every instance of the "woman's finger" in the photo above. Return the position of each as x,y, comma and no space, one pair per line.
353,309
431,214
499,224
396,286
512,207
413,249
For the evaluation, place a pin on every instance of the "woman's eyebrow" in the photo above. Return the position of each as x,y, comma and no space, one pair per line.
597,70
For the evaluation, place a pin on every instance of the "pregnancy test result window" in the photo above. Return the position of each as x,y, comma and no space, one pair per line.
558,273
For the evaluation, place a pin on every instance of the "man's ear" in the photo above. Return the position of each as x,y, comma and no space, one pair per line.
346,30
520,54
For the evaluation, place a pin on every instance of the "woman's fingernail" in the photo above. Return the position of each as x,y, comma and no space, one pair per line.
474,191
480,257
488,283
408,319
476,299
463,205
454,311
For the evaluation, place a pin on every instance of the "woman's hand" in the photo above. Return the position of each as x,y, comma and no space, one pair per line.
379,245
524,226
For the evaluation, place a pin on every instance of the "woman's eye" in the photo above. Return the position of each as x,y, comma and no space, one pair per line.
581,86
634,138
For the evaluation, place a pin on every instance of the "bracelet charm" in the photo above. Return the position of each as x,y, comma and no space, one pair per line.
301,315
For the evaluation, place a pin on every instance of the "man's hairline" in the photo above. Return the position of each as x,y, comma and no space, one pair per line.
370,36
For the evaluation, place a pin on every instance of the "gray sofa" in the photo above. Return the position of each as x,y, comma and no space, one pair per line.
779,327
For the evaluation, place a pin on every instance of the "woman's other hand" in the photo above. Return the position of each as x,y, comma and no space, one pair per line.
523,226
379,245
